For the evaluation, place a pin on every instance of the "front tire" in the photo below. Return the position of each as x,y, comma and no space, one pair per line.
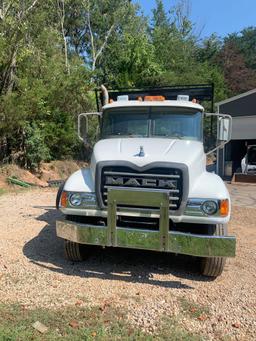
76,252
214,266
73,251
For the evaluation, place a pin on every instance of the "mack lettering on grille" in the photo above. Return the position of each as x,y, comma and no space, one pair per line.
138,182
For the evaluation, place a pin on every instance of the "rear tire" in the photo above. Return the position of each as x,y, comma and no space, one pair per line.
214,266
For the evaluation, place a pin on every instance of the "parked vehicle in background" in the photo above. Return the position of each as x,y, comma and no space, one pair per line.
147,186
248,163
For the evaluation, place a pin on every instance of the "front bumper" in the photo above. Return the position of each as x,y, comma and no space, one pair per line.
160,240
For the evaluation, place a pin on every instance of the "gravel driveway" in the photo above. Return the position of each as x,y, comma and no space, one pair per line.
33,272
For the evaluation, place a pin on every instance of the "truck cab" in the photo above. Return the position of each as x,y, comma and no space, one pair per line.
147,186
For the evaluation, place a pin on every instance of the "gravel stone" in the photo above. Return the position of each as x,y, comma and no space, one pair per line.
34,273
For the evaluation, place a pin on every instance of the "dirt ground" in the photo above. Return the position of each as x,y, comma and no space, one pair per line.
54,170
34,273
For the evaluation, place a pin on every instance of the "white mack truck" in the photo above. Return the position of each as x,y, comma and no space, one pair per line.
147,186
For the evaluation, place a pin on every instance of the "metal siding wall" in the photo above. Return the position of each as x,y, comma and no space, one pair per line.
245,106
244,128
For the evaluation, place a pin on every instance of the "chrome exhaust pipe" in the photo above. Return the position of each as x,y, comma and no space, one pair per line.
105,94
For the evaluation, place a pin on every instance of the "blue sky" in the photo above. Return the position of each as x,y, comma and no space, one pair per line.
214,16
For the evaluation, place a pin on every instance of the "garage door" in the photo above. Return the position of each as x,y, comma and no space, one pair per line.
244,128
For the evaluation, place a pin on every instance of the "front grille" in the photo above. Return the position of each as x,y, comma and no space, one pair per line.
162,178
141,223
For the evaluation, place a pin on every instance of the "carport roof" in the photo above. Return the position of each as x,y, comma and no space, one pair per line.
234,98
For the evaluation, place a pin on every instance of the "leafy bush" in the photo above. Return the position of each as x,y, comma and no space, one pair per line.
35,148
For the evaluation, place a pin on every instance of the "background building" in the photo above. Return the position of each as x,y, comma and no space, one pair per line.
242,108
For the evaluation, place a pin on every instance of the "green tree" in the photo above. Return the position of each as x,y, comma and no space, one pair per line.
209,49
54,52
94,24
35,149
36,87
160,19
238,77
130,56
245,42
182,60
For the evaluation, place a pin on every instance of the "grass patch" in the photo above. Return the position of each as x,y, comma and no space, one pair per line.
194,310
170,329
77,323
2,191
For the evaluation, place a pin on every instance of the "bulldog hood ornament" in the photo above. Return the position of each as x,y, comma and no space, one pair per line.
141,152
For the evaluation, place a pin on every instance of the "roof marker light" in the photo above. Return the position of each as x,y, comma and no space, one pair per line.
154,98
122,98
183,98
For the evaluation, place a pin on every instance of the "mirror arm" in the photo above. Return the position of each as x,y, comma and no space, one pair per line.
218,115
223,143
79,126
216,148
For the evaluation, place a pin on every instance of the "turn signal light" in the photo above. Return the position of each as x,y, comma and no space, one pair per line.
64,199
224,207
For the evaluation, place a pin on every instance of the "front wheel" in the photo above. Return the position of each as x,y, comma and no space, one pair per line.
76,252
214,266
73,251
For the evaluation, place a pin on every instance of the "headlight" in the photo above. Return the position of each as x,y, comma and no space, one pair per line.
82,200
209,207
75,199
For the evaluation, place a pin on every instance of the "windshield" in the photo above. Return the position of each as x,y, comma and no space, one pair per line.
170,122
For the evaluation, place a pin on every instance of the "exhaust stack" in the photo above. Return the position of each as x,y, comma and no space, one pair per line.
105,94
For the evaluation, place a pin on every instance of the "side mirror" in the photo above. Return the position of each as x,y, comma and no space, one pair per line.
224,129
84,129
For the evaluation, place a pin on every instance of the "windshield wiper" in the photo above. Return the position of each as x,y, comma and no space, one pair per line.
135,135
127,135
177,136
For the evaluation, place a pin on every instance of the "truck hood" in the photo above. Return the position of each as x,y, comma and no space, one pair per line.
187,152
190,153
